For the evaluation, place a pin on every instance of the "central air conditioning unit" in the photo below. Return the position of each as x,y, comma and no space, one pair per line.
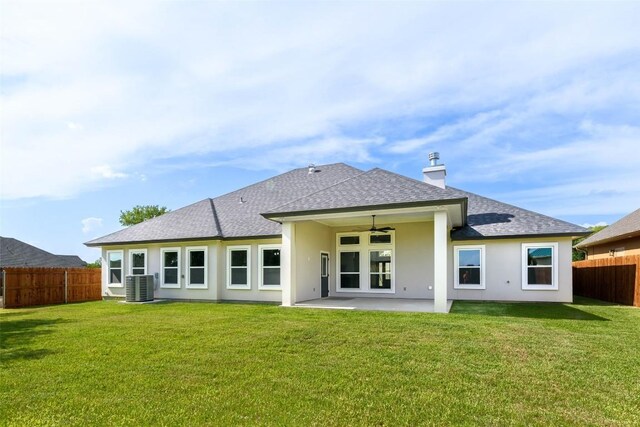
139,288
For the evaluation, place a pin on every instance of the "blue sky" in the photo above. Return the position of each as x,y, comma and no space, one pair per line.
106,105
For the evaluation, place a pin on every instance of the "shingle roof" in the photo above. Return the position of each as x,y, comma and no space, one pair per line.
14,253
233,215
625,227
332,187
196,221
488,218
376,187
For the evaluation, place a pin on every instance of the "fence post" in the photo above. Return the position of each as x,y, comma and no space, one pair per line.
65,286
4,287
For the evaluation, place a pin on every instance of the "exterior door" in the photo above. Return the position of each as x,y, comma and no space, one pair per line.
324,275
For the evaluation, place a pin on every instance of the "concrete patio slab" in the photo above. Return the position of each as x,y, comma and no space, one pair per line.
374,304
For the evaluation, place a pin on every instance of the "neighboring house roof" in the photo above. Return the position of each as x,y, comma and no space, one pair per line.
14,253
336,187
628,226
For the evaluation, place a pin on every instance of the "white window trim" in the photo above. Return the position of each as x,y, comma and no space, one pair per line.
138,251
376,248
188,251
339,288
262,286
456,271
554,264
364,248
122,274
170,285
230,249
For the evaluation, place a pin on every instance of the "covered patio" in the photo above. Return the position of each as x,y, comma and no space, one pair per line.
374,304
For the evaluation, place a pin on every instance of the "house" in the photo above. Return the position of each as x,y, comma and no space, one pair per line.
335,230
14,253
619,239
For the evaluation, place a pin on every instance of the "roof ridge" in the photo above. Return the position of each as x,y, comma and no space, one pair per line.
323,189
282,174
215,218
146,221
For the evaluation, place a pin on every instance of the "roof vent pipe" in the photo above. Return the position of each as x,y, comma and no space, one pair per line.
312,168
434,174
433,158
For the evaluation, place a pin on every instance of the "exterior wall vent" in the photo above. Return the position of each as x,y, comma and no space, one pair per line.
139,288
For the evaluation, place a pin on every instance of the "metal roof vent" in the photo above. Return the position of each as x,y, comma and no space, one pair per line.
433,158
312,168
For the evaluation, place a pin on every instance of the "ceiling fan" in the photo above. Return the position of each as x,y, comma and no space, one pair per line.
375,229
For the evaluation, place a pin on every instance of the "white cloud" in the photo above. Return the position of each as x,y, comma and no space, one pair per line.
90,224
272,85
105,171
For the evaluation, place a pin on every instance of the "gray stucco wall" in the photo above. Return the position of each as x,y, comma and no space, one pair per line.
504,272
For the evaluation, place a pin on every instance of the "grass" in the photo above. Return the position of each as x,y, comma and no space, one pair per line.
106,363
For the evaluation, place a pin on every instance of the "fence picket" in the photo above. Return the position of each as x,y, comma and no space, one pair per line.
615,279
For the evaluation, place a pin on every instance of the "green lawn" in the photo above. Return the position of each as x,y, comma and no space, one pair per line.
106,363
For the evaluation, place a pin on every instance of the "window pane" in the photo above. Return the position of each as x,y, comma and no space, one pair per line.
379,261
115,260
539,256
469,258
469,276
116,275
271,257
324,266
540,275
380,238
171,276
239,258
137,271
196,259
381,281
271,276
171,259
238,276
137,260
350,261
350,240
196,276
350,281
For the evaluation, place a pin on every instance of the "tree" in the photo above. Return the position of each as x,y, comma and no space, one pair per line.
577,254
96,264
140,213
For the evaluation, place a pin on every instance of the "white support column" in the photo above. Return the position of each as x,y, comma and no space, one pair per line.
288,264
440,262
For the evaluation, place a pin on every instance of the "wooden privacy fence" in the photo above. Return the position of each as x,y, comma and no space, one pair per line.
24,287
613,279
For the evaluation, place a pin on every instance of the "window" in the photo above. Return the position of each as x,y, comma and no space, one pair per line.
239,267
170,267
540,270
138,261
349,270
469,267
269,267
380,269
349,240
365,262
197,267
379,238
114,268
